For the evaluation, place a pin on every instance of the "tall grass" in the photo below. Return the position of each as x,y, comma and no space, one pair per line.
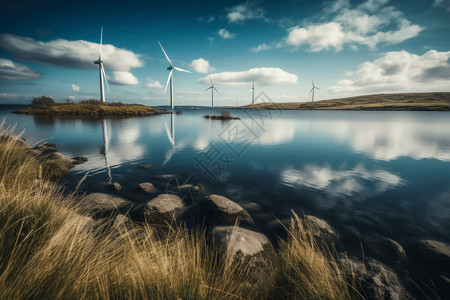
48,250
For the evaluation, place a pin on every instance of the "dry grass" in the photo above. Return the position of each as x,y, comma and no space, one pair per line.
411,101
49,251
94,109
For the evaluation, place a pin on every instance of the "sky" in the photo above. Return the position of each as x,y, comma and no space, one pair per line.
346,47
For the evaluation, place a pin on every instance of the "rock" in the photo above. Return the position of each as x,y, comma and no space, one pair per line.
114,186
217,210
375,280
147,187
60,158
432,254
249,248
320,229
122,221
143,167
163,209
384,249
106,204
189,192
45,149
251,207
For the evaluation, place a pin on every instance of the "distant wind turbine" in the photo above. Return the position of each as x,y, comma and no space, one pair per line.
212,91
170,78
312,90
99,62
253,92
105,149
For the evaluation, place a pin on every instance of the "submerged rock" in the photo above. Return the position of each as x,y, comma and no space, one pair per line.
143,167
147,187
384,249
320,229
163,209
115,186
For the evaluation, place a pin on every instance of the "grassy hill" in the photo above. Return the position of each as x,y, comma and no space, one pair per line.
94,108
405,101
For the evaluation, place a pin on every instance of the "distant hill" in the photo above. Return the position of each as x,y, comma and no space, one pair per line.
405,101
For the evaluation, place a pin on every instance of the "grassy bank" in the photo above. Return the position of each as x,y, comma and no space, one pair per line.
94,108
48,250
405,101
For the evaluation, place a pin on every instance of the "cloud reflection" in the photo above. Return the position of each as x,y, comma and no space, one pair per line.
350,182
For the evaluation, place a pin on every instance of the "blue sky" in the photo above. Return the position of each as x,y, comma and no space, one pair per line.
346,47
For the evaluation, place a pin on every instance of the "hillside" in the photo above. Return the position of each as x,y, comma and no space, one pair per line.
406,101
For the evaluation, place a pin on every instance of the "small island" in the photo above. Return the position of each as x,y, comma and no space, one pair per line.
437,101
224,116
45,105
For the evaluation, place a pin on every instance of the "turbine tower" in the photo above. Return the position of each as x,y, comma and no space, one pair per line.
170,78
253,92
212,91
101,70
312,90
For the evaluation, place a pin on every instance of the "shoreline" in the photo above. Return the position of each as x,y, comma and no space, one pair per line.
378,102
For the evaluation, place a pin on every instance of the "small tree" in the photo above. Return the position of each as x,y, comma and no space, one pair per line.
42,101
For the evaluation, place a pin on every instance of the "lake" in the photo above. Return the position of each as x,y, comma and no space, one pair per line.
381,172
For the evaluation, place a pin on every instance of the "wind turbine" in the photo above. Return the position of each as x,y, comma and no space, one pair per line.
312,90
170,78
212,91
253,92
99,62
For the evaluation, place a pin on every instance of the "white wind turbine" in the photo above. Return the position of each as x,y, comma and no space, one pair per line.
170,78
312,90
99,62
212,91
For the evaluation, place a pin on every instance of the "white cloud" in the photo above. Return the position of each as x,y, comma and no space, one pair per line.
73,54
370,23
442,3
400,71
75,88
13,71
225,34
153,84
262,76
262,47
201,66
245,11
206,19
123,78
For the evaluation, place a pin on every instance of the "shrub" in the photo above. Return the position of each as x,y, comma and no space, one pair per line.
91,101
42,101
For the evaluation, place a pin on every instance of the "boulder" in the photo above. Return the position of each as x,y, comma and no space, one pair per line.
251,249
432,254
384,249
320,229
251,207
163,209
217,210
115,186
122,221
106,204
147,187
374,280
189,192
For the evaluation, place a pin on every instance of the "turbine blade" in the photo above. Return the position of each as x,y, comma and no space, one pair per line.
216,89
168,59
179,69
317,88
209,88
311,91
101,41
168,79
211,81
106,79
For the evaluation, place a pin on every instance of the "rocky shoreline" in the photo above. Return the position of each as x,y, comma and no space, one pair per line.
384,269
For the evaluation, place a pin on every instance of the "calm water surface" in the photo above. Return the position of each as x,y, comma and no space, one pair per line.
382,172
